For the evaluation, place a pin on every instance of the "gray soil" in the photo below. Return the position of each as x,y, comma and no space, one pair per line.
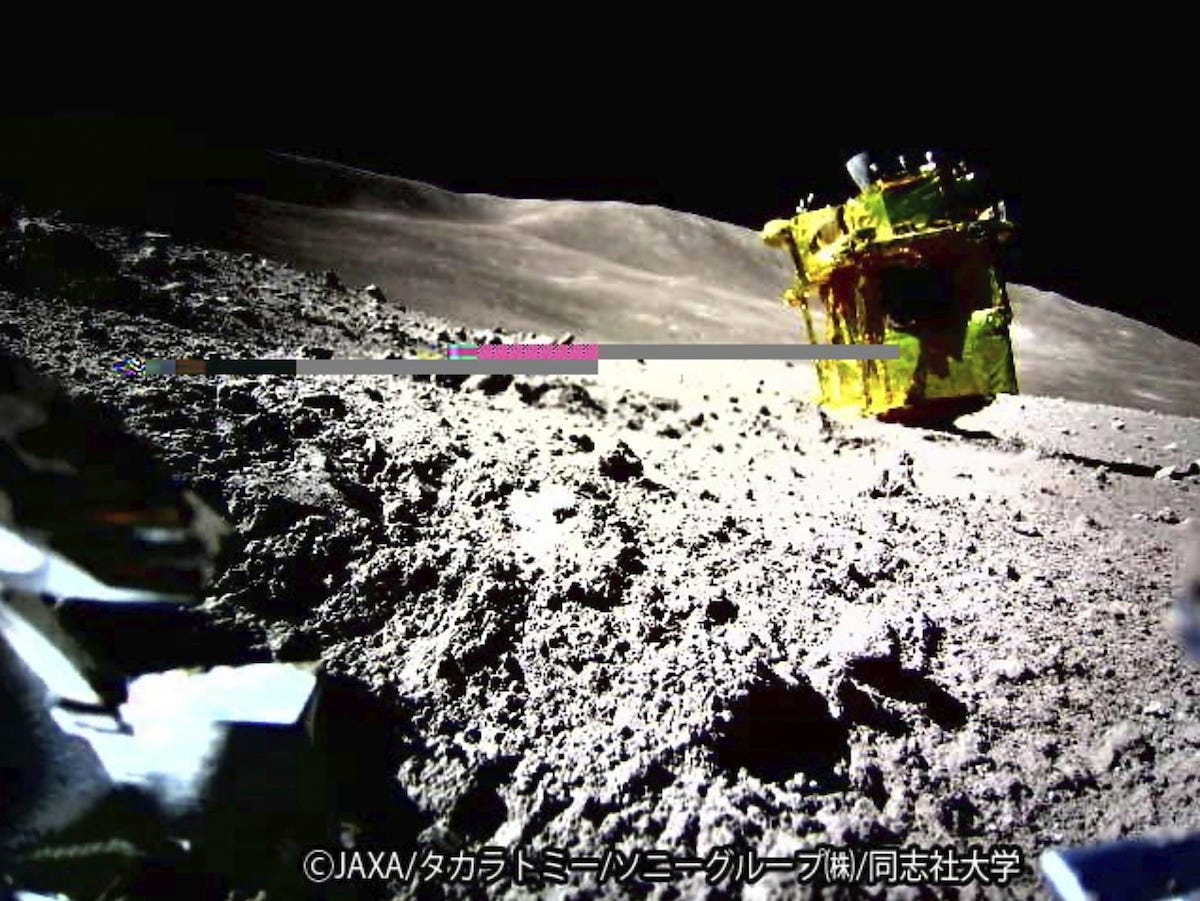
667,607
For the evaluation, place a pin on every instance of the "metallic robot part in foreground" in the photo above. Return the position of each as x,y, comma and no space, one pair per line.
212,766
912,261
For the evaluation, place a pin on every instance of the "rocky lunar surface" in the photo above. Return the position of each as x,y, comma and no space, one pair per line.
668,606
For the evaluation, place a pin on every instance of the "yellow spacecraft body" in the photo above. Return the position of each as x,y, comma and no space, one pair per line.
911,261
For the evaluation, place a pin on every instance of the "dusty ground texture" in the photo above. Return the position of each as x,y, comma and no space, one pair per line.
667,607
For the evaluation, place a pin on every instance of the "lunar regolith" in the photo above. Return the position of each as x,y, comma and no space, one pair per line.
670,606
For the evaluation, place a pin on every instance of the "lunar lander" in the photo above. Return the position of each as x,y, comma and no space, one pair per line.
911,261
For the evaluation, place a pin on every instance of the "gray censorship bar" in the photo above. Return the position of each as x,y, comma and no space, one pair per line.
447,367
749,352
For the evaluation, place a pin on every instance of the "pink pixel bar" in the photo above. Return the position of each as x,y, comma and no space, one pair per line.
539,352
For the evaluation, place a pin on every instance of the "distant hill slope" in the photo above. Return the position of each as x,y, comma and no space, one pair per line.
1071,350
613,271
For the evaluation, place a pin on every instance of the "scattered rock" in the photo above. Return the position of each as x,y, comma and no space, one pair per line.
896,480
1010,669
1166,515
247,316
331,403
622,464
1179,472
373,460
869,781
1125,741
859,636
151,261
491,384
375,293
236,399
651,485
958,814
576,398
1027,529
531,393
604,578
583,443
295,646
721,611
876,562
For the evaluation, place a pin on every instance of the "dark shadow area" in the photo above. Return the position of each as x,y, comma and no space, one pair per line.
137,861
951,429
1126,469
479,813
860,709
137,638
1014,445
61,262
365,738
937,413
909,685
481,810
778,730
